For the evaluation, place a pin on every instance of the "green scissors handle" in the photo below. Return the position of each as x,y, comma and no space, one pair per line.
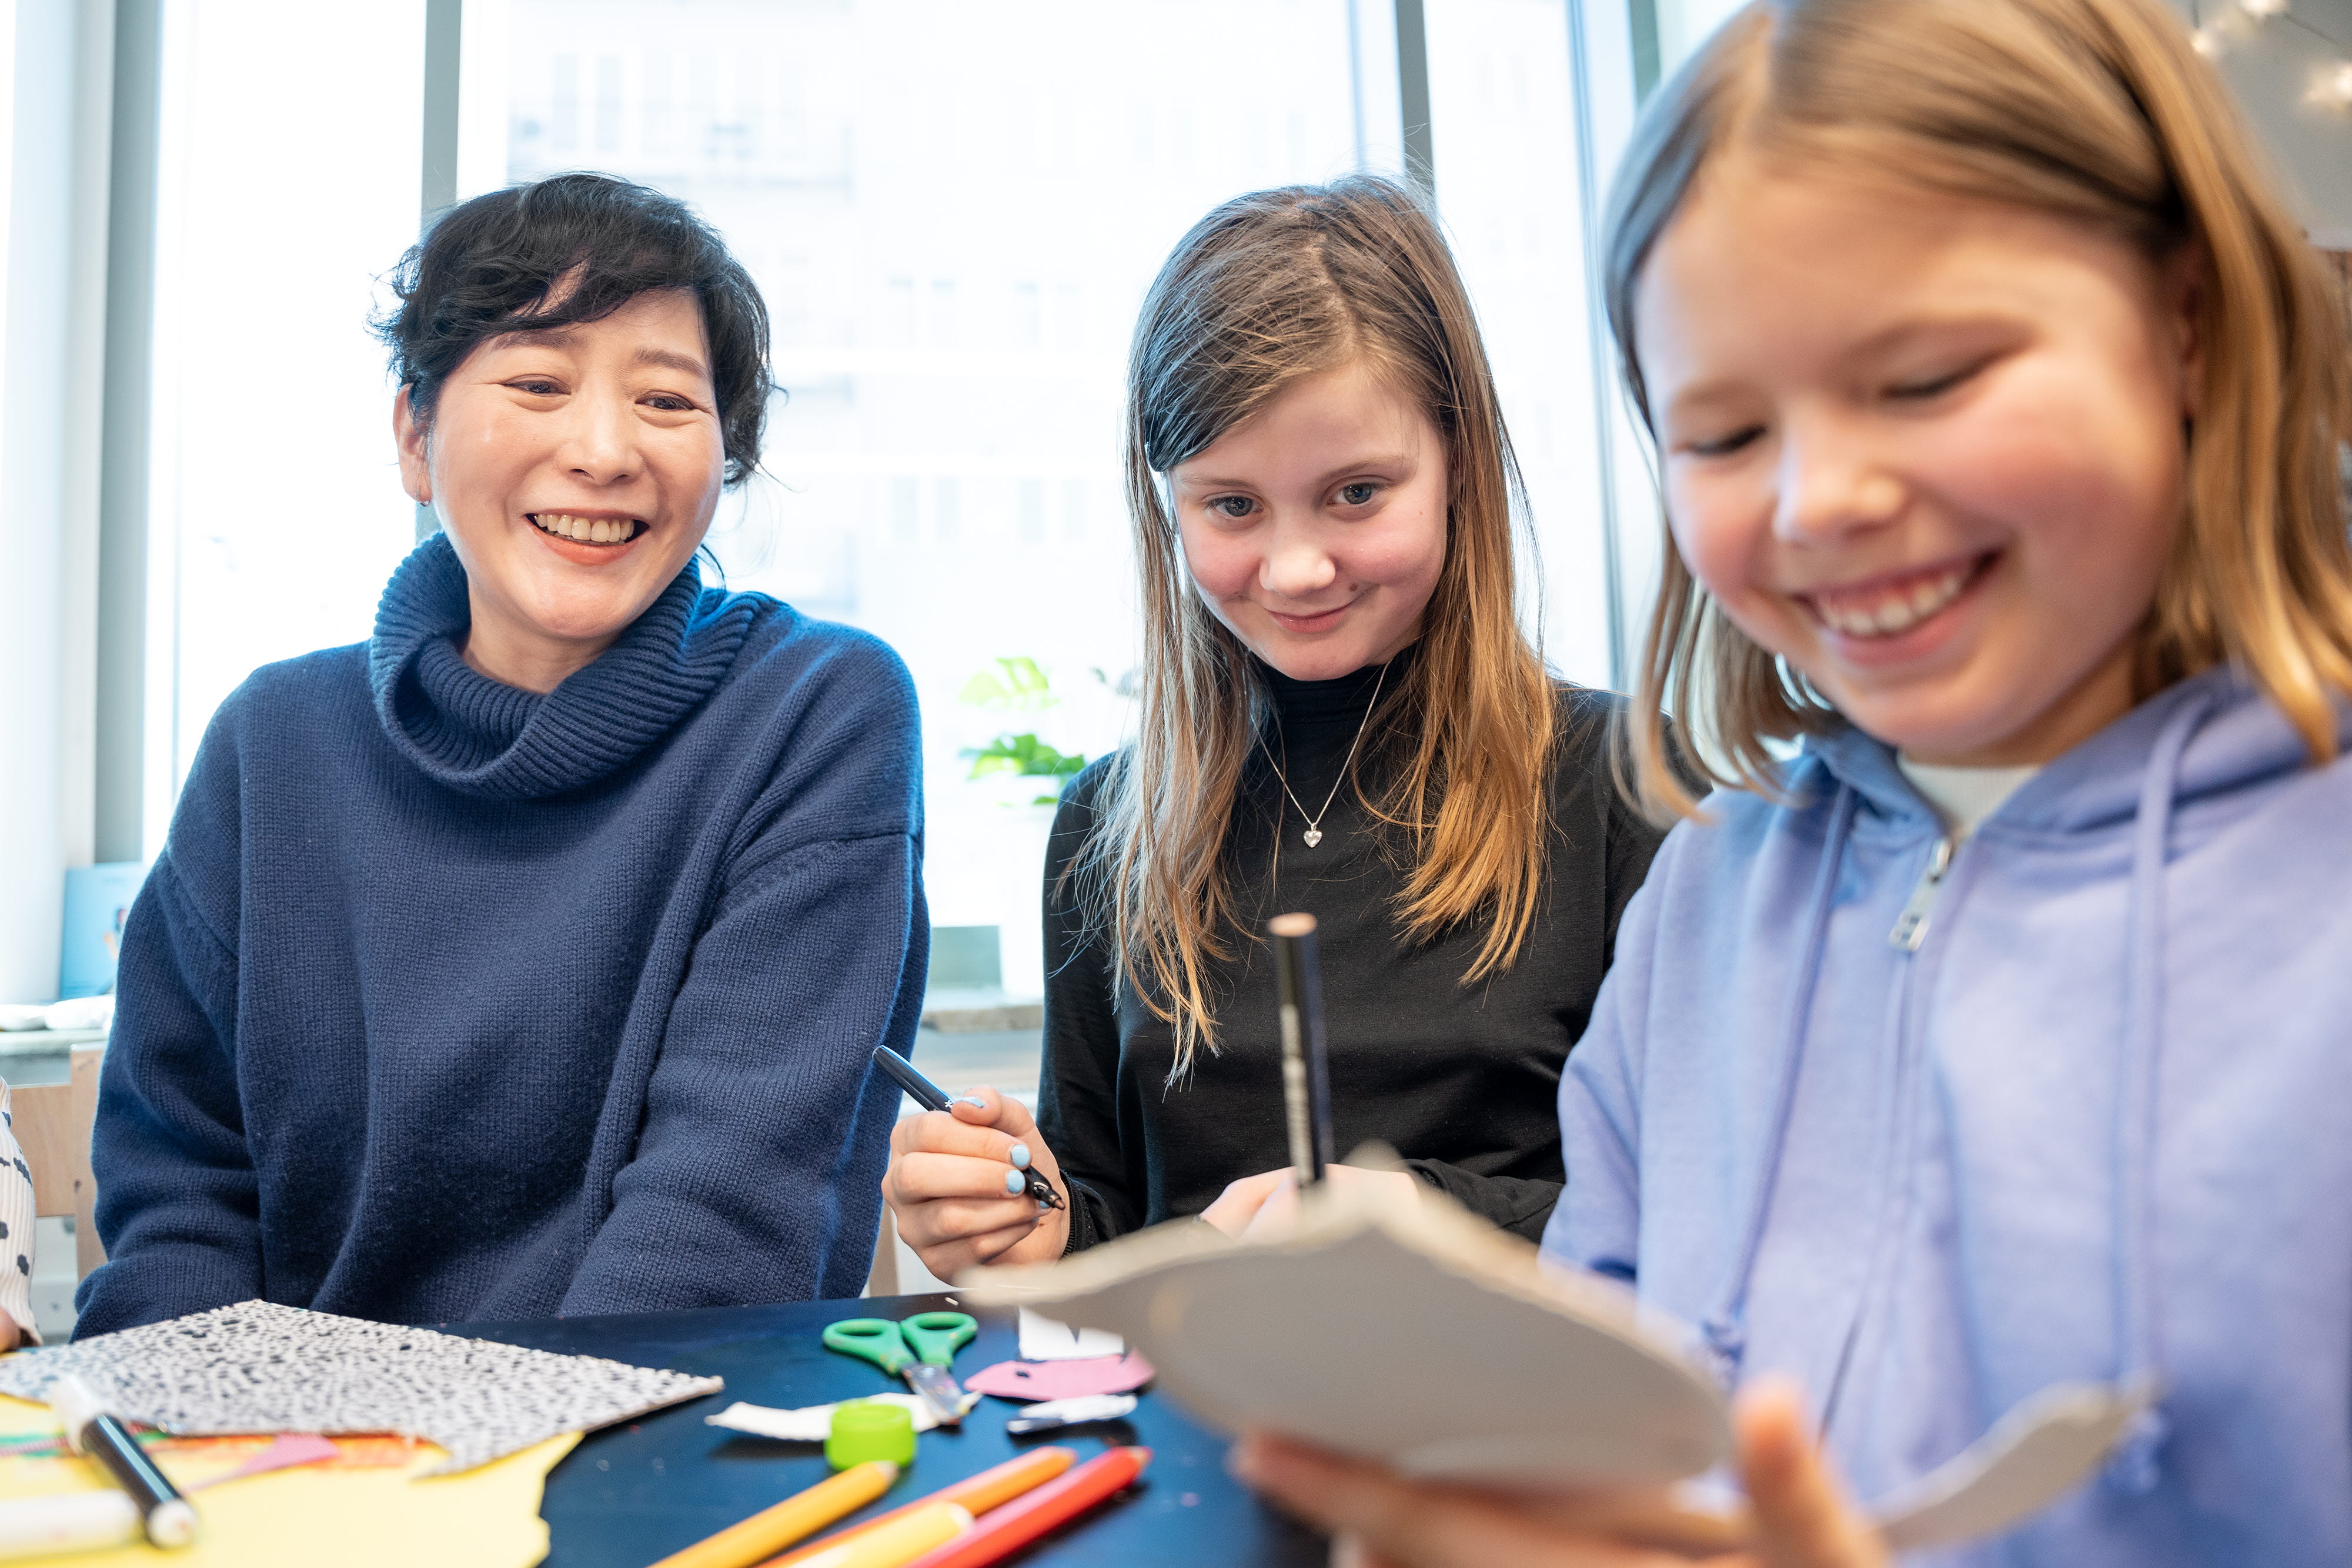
935,1337
932,1338
876,1340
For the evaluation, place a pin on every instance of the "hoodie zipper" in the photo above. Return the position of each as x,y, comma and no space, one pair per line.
1897,1195
1911,925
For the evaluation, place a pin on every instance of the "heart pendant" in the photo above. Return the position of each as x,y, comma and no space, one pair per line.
1314,836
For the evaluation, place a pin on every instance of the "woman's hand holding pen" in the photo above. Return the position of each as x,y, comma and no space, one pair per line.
956,1183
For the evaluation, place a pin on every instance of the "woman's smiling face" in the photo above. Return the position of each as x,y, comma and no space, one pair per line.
1929,450
1315,530
576,470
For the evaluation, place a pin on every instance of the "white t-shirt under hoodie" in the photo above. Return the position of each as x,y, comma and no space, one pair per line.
1964,797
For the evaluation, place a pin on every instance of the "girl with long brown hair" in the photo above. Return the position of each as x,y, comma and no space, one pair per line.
1341,714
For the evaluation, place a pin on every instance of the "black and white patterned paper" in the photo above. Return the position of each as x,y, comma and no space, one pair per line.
259,1367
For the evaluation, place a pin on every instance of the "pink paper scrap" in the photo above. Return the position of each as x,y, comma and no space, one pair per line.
1035,1380
290,1449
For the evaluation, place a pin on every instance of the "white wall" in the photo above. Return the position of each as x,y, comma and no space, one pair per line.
49,497
2275,65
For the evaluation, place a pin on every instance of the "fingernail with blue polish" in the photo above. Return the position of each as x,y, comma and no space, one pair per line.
1014,1184
1019,1156
972,1100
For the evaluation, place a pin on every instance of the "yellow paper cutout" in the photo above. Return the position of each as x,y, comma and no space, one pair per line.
360,1516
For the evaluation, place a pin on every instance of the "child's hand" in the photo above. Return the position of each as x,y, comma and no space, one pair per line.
1799,1516
955,1182
1803,1516
1264,1204
1239,1203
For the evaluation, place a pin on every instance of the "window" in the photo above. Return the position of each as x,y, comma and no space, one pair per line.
1504,133
276,508
953,215
1684,25
953,211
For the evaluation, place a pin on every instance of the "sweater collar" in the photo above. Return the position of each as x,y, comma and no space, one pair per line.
1304,710
483,737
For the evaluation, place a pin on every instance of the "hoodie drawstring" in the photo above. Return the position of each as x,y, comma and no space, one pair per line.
1723,1328
2139,1353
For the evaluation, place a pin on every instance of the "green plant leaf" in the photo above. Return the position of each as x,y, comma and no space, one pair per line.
1016,685
985,690
1025,755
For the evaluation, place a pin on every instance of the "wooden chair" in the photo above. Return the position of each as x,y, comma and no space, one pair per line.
883,1278
52,1125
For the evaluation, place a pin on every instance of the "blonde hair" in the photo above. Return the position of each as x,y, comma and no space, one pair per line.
2098,111
1269,289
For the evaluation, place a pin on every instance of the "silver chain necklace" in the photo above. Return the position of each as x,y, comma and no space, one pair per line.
1314,834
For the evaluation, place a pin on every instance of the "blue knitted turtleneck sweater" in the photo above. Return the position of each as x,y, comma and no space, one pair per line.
447,1000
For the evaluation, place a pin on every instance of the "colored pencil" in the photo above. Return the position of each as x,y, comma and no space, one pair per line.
976,1494
1003,1531
802,1515
899,1543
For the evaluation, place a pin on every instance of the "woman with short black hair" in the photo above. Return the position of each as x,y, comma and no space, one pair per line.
526,957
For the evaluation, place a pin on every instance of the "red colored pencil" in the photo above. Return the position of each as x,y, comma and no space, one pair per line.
1001,1532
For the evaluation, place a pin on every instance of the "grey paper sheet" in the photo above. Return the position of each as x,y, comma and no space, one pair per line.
1413,1333
259,1367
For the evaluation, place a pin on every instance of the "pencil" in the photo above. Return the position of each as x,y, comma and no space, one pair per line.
804,1513
1003,1531
977,1494
910,1535
1306,1070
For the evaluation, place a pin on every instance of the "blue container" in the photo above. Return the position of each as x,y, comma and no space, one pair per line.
97,900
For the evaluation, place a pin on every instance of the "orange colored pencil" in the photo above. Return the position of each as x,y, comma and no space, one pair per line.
974,1494
802,1515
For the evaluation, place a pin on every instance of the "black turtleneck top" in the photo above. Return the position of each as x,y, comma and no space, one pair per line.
1460,1080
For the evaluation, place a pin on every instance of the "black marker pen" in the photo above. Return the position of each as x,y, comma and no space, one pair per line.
90,1428
1305,1061
931,1097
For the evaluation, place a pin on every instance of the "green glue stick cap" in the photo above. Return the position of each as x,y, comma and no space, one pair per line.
863,1430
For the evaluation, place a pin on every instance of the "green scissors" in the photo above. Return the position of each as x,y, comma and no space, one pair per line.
920,1349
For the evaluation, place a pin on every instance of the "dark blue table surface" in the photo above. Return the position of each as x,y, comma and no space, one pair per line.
632,1494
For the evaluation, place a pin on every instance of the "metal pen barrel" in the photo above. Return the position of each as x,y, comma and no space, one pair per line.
1306,1061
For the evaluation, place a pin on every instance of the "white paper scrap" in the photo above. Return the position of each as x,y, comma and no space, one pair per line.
1085,1407
813,1423
1043,1339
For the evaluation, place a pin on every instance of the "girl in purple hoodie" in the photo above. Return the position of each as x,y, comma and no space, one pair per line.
1989,1026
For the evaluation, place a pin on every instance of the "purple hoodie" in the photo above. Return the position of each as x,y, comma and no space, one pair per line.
2091,1120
